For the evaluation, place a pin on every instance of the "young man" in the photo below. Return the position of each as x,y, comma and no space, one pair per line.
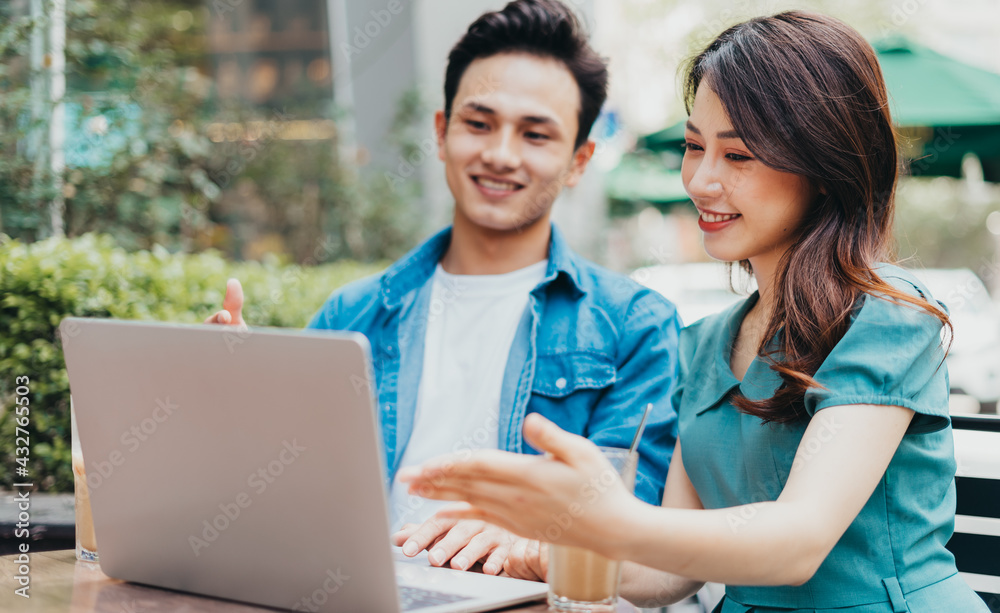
495,317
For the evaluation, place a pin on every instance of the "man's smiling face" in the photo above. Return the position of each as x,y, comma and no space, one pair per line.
508,145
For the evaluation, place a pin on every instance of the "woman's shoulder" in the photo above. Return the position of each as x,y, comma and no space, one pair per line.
885,308
903,280
891,354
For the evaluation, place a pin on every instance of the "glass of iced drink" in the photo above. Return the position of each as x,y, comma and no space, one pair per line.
86,542
581,580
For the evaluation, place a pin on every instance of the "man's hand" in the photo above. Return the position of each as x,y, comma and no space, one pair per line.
232,306
463,542
527,559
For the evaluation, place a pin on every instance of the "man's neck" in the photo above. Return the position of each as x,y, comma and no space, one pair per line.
480,251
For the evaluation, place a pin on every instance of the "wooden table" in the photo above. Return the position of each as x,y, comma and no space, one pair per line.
59,583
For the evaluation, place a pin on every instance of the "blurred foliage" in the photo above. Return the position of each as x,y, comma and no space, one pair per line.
942,223
141,166
43,282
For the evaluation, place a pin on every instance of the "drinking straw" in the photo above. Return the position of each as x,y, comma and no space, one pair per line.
642,426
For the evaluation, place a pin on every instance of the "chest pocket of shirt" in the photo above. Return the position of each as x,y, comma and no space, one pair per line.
561,374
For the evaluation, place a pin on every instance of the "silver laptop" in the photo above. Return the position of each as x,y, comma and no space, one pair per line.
247,466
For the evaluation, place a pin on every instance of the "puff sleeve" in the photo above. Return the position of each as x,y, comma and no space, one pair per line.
892,354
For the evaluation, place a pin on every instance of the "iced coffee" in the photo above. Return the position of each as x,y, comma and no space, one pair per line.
579,579
583,576
86,542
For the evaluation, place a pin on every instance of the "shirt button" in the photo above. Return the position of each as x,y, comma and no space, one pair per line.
561,382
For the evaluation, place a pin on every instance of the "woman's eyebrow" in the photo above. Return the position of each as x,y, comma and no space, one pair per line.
725,134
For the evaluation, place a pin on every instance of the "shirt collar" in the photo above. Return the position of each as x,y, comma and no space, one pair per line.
711,378
416,267
564,264
709,389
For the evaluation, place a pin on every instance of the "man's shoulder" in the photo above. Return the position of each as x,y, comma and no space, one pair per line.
360,288
412,268
613,291
347,301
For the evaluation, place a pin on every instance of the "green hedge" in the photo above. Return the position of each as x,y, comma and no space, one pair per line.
40,283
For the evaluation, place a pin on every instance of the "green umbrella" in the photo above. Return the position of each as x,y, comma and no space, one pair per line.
944,109
930,89
644,178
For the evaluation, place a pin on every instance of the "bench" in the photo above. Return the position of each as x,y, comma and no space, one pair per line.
976,542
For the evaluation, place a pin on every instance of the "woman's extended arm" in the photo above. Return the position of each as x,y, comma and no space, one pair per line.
840,460
648,587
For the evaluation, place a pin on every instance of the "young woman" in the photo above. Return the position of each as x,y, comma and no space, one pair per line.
815,468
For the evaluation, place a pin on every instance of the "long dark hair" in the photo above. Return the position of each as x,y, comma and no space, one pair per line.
806,94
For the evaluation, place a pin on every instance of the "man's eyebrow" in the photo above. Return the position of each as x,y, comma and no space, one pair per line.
724,134
477,107
540,119
482,108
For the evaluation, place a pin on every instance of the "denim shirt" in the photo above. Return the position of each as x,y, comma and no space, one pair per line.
591,350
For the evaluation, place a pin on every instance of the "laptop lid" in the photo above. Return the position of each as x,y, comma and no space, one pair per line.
241,465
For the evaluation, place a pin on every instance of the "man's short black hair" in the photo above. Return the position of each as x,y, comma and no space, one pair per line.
546,28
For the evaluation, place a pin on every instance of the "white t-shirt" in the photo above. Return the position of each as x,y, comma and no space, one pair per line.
471,323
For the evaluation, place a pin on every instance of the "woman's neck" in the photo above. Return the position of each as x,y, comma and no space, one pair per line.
764,272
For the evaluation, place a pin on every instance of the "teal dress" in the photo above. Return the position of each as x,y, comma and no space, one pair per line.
892,558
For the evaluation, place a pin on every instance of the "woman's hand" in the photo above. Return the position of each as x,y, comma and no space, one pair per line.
571,496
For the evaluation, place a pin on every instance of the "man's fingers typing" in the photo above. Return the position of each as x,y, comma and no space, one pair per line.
526,560
490,540
426,534
493,565
457,537
403,534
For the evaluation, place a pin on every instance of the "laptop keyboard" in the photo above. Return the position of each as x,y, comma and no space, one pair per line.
413,598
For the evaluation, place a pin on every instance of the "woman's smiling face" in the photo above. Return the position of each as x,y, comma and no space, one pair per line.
747,211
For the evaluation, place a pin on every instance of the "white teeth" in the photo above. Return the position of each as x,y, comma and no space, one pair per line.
499,185
712,218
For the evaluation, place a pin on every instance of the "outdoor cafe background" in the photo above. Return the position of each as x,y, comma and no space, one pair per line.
152,149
